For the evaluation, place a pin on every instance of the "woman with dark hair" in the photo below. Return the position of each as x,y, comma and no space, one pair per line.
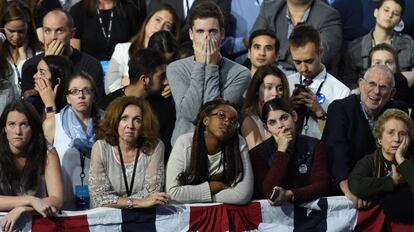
267,83
289,166
30,176
127,162
101,24
387,176
162,18
6,88
404,81
48,92
21,40
72,133
212,164
165,43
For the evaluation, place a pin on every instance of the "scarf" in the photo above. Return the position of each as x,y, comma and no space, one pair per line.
81,140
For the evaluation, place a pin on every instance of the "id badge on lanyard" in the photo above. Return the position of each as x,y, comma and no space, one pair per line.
82,198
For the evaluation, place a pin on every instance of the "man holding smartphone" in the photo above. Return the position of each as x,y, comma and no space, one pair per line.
312,88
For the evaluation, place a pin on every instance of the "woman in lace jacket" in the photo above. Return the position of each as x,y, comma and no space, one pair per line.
127,161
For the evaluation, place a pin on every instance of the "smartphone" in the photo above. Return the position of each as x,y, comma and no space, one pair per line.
275,194
298,88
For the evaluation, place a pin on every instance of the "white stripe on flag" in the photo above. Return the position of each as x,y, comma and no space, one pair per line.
104,219
276,218
173,218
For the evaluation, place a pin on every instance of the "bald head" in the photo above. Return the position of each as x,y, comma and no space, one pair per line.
61,15
58,25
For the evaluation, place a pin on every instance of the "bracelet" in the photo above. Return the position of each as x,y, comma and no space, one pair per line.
130,202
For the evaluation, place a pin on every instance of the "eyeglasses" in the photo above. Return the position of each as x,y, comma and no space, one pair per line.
221,115
283,118
373,85
85,91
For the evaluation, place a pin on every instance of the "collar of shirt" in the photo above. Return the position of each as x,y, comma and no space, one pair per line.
187,6
318,79
370,122
302,20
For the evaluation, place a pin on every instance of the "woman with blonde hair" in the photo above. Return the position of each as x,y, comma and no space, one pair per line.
387,176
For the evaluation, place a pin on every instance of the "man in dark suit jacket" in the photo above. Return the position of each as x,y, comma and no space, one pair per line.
348,134
180,6
277,15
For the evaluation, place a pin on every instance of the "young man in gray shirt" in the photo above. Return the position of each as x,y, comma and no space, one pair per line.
206,75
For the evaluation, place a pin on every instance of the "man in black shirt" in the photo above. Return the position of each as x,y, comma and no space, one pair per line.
57,31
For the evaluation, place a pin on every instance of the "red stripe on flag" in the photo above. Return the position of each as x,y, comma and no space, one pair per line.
225,217
399,227
61,224
370,220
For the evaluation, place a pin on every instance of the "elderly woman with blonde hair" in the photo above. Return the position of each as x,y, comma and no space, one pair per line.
387,176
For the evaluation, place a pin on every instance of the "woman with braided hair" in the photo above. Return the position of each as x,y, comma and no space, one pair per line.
211,164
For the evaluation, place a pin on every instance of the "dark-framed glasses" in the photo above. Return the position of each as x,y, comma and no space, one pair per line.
221,115
85,91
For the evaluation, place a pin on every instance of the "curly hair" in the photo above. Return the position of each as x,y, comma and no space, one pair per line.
198,172
379,129
393,114
108,127
36,149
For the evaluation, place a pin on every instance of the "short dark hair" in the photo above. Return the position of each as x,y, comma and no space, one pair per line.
275,104
303,34
266,32
144,62
384,47
206,9
69,19
399,2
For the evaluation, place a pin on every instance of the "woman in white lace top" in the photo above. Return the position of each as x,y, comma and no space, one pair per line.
127,162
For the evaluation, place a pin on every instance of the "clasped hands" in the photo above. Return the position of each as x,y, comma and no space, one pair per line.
207,51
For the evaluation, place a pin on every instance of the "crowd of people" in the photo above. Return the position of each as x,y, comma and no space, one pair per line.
135,104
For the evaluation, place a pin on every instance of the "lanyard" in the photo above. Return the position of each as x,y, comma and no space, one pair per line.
107,36
306,126
128,190
19,77
82,161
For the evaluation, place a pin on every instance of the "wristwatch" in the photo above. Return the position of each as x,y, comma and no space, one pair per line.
130,203
322,117
50,109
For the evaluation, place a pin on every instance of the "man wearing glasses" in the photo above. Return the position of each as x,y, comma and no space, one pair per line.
348,130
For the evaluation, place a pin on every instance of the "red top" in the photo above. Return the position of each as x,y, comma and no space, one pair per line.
279,173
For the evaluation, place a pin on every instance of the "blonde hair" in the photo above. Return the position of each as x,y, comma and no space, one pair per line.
393,114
